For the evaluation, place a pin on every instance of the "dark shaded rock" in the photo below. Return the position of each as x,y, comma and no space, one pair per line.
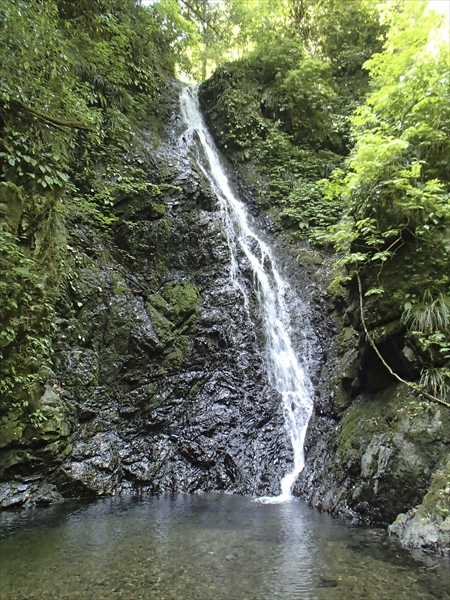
14,494
28,495
427,526
161,364
386,448
32,447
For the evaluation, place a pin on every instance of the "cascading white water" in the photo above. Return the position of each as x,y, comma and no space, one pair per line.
285,372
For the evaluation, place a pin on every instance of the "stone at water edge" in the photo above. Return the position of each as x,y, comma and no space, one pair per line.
428,525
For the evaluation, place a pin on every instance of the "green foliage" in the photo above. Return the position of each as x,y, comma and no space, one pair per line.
77,79
36,62
199,31
93,68
213,34
179,32
285,107
310,210
348,33
429,315
437,380
395,188
27,320
428,321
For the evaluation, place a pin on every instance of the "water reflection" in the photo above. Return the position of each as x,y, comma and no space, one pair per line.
206,547
294,556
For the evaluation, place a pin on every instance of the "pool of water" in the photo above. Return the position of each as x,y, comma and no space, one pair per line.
206,547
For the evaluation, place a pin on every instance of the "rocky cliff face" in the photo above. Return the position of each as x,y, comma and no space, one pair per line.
159,368
372,446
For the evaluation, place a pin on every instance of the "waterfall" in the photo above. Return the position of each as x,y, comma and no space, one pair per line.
286,374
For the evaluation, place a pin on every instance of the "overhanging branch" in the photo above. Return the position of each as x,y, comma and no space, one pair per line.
201,18
53,120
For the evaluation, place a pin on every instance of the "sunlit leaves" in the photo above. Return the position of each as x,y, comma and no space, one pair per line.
395,189
401,136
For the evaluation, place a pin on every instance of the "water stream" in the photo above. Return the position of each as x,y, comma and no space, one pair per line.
206,547
286,373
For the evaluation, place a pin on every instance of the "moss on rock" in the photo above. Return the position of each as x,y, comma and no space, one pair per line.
11,428
178,351
183,299
390,443
11,206
428,525
162,326
173,312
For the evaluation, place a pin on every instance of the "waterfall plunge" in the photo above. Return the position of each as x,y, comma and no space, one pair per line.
285,372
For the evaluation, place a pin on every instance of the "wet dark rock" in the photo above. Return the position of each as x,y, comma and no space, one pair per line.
159,369
29,495
159,365
377,459
427,526
371,446
14,494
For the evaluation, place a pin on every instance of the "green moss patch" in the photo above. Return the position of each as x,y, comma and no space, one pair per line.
173,312
393,410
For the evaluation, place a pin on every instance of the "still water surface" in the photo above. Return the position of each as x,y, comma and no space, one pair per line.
206,547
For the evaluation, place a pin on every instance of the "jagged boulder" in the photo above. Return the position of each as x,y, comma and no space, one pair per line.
427,526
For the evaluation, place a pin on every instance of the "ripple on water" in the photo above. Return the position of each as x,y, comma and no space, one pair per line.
206,547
